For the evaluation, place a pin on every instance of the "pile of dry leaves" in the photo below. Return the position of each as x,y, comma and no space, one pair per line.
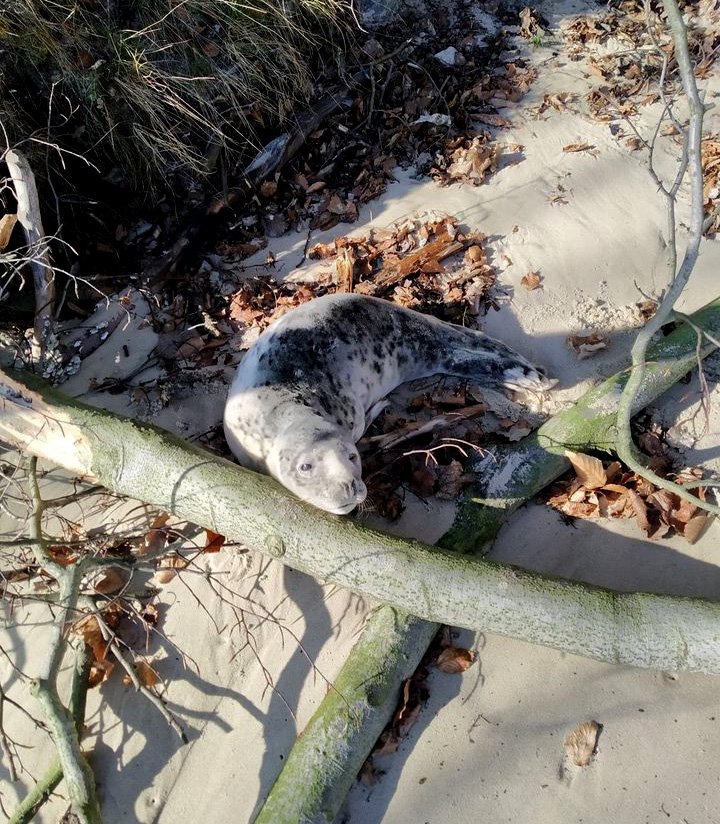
607,490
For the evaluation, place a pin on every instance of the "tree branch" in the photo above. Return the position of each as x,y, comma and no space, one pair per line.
138,460
691,160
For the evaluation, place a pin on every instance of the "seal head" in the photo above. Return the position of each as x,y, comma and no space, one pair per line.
319,464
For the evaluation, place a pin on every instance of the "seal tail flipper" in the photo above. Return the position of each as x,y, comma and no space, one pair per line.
523,378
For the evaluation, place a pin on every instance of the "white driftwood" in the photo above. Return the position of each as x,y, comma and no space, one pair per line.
28,213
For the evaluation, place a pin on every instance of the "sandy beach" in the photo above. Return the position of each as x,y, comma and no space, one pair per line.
489,743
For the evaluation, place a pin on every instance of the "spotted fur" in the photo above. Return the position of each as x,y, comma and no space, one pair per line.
307,389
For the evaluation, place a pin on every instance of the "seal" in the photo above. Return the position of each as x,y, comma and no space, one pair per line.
314,380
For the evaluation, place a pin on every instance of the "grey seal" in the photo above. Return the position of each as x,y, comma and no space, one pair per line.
314,380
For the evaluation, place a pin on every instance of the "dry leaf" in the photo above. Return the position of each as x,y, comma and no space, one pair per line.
580,744
99,671
7,223
168,567
110,579
590,470
695,527
581,147
145,673
587,345
640,510
531,281
215,541
454,659
156,536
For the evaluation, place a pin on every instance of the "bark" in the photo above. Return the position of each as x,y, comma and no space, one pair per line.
140,461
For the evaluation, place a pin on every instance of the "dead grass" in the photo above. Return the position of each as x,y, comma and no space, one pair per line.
158,88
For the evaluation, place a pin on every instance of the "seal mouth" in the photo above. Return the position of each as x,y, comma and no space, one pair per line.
345,509
356,500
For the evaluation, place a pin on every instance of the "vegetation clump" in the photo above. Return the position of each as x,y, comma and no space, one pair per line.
147,89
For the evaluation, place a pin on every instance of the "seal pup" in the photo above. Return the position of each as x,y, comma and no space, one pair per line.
315,379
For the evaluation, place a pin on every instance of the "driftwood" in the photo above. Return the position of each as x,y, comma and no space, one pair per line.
28,213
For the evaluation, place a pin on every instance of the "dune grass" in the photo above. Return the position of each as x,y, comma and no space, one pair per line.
153,88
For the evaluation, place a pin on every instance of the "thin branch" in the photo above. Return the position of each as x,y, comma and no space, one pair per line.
78,775
626,450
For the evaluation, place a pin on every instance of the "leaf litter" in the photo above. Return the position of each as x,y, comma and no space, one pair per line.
606,489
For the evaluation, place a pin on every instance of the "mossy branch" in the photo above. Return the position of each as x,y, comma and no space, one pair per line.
141,461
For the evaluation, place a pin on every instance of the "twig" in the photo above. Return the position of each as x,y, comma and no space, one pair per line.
5,742
112,642
625,447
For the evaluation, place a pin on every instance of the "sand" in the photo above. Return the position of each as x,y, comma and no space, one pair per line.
489,744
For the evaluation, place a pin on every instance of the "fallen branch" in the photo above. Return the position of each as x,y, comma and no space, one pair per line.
326,758
140,461
78,776
28,212
691,160
39,794
512,474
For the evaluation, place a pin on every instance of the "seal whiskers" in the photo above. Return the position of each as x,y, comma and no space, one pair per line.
314,380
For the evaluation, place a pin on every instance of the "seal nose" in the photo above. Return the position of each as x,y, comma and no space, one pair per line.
359,490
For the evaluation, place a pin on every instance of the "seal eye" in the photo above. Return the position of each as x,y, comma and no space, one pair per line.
305,467
353,456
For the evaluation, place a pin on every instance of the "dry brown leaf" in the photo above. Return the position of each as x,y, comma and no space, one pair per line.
322,251
168,568
63,555
89,630
146,675
110,579
586,346
640,509
215,542
156,537
695,527
581,147
454,659
589,470
580,509
99,671
531,280
492,120
150,615
7,223
581,743
612,471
